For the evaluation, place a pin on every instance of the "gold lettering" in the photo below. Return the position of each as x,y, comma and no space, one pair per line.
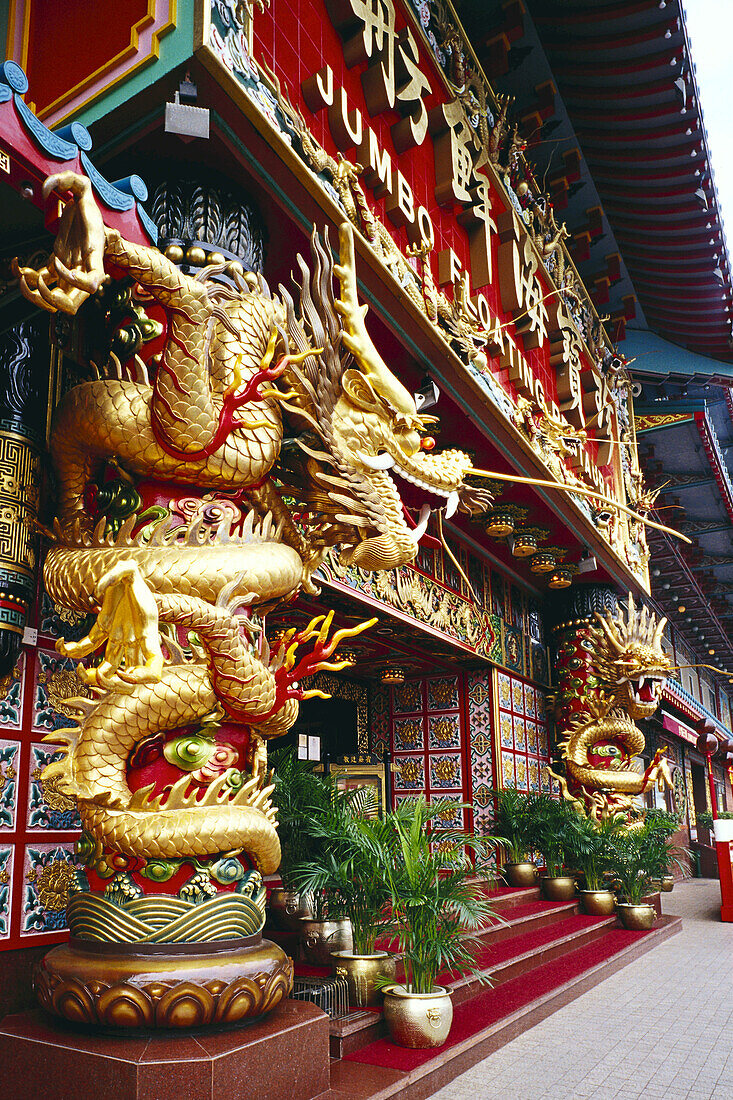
450,268
346,125
422,228
400,205
455,149
377,164
412,84
480,225
318,89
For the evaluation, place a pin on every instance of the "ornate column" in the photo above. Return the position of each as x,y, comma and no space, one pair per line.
24,359
611,669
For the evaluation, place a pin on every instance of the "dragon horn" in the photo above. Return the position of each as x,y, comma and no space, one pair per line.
658,633
610,630
356,338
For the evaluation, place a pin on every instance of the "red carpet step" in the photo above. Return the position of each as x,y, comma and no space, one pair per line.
538,959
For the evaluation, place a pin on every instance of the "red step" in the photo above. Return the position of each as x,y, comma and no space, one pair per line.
490,1018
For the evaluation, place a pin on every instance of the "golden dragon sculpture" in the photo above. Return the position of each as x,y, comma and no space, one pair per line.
176,527
610,675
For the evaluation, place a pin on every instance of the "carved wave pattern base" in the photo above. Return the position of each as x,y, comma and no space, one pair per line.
194,991
162,919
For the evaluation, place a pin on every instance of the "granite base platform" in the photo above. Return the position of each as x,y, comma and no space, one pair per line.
282,1056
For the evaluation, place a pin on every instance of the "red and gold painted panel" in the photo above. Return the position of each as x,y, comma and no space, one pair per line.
45,39
428,741
38,824
522,745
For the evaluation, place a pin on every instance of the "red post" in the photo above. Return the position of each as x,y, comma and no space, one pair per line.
708,745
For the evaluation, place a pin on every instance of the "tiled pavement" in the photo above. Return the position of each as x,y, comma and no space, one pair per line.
661,1028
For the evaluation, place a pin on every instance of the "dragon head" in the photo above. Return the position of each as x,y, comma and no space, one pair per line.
630,659
371,480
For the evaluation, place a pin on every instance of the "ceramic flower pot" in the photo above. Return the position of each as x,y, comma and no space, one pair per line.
636,918
361,973
320,938
288,907
598,903
418,1020
561,888
520,874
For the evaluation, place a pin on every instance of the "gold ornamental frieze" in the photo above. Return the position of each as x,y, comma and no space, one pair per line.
473,144
424,599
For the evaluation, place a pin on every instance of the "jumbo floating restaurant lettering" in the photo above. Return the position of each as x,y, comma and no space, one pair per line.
393,79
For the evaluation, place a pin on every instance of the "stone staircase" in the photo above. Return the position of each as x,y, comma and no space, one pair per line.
536,955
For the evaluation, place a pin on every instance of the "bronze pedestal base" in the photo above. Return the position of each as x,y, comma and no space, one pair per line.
163,986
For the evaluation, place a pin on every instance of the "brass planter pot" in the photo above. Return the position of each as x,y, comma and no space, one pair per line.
520,874
667,884
361,973
598,903
636,918
287,908
418,1020
561,888
320,938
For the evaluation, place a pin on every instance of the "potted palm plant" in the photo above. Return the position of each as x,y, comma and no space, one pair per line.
548,834
344,868
590,845
436,905
663,826
510,829
634,864
301,796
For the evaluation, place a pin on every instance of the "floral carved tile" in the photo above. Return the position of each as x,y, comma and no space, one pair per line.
443,693
9,754
407,698
408,734
445,771
409,774
6,888
48,807
444,732
49,874
11,696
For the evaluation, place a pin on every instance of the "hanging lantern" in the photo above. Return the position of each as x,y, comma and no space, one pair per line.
525,544
562,577
350,656
500,523
393,674
543,562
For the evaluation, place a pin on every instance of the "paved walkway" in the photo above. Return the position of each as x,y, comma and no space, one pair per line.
661,1028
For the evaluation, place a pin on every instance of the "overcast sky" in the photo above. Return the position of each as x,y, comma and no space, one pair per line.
710,30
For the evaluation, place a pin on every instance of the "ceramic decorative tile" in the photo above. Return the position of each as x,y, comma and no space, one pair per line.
449,817
518,697
444,732
407,698
534,775
443,693
520,735
445,771
507,769
408,734
409,773
6,888
520,767
9,755
531,728
530,705
379,716
505,690
49,665
49,873
11,696
48,807
506,732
